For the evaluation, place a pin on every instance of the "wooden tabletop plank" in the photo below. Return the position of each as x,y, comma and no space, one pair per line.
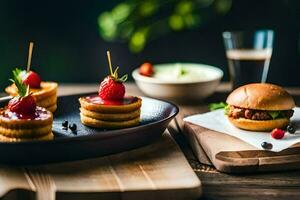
158,170
13,178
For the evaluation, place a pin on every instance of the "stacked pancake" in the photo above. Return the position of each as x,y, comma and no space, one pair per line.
97,114
14,129
45,96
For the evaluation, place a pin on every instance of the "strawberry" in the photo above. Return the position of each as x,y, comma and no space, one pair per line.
277,133
32,79
146,69
22,105
112,87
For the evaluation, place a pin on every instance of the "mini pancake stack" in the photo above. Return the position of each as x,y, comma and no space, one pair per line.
110,108
13,129
107,116
45,96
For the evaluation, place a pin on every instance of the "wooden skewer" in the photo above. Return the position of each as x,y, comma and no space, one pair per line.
109,62
27,90
29,56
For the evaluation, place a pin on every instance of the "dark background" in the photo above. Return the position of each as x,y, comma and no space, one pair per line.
68,47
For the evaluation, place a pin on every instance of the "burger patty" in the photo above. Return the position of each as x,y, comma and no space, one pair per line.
236,112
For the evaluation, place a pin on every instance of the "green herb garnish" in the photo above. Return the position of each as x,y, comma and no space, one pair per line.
216,106
17,80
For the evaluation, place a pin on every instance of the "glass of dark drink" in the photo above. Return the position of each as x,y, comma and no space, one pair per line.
248,54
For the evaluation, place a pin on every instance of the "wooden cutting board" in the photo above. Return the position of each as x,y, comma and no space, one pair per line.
231,155
159,170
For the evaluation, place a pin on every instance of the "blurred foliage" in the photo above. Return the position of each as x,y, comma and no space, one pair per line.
140,21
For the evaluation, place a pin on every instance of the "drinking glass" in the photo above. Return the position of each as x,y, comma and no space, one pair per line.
248,54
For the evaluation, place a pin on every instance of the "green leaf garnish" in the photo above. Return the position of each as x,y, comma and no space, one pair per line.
123,78
116,78
216,106
274,114
23,90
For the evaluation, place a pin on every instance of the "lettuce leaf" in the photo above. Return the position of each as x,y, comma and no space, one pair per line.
275,114
226,109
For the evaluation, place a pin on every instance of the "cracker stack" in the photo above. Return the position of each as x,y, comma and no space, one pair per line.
110,116
13,130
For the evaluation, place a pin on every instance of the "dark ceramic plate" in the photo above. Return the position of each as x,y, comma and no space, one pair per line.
89,142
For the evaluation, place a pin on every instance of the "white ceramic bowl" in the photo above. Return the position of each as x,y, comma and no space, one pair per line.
180,90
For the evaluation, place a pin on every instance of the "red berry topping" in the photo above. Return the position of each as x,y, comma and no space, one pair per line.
277,133
32,79
111,89
22,105
146,69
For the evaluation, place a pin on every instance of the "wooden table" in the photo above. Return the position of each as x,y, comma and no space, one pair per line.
218,185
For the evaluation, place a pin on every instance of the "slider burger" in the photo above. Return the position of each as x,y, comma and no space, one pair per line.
259,107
